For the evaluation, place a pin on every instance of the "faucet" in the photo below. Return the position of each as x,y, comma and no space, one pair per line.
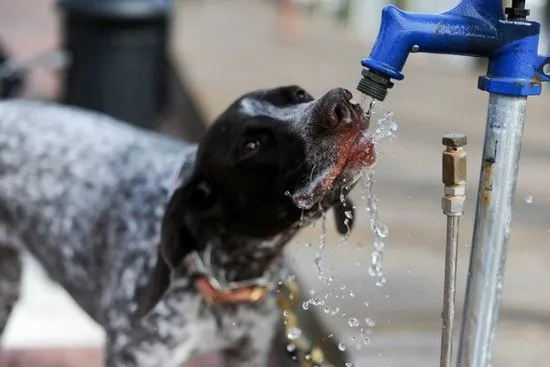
479,28
472,28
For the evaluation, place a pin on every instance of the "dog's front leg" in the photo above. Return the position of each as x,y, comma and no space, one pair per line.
163,339
142,348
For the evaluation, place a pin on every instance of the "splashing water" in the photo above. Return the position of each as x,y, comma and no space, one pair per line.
379,231
294,333
348,214
384,129
370,109
353,322
318,260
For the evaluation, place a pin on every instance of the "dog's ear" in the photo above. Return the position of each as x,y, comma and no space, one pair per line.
344,215
176,241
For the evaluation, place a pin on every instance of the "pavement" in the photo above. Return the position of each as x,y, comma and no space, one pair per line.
231,47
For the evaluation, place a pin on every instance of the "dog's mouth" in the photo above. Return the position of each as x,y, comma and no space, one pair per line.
353,154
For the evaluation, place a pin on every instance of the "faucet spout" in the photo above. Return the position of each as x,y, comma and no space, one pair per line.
472,28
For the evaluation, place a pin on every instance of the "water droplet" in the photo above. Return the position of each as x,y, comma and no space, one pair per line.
353,322
294,333
378,245
342,197
291,348
326,309
341,346
317,260
376,258
381,282
529,199
305,305
367,304
342,287
317,301
352,294
349,364
348,214
370,322
369,111
335,310
311,292
381,230
366,340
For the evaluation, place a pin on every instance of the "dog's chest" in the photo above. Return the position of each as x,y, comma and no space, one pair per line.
193,328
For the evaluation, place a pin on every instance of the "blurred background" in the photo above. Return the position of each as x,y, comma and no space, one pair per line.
221,49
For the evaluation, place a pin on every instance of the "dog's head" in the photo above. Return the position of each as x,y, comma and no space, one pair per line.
273,158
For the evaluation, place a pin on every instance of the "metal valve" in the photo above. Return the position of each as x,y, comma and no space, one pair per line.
454,173
454,169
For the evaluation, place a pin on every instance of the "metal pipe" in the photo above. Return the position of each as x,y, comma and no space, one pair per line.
501,152
449,291
454,171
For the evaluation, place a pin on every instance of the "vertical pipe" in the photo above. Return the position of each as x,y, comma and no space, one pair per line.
449,291
454,172
501,152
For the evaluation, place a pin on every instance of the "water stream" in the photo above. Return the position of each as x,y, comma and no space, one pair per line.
383,128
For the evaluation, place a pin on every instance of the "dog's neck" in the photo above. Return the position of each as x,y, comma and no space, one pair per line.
237,258
230,258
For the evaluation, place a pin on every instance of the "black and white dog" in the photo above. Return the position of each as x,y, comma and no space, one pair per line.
173,248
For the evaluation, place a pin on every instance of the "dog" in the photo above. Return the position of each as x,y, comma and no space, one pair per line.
175,249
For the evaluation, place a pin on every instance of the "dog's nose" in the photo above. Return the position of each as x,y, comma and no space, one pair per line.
341,110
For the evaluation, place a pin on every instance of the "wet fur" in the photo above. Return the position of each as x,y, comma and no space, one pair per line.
92,199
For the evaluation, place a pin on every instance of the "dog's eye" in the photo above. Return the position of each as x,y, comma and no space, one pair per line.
300,95
249,147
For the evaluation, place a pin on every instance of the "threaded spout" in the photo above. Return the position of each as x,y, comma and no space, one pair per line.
374,85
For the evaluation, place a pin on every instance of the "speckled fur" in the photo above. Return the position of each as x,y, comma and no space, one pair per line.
86,196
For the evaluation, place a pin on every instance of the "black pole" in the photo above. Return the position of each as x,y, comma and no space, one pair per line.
118,59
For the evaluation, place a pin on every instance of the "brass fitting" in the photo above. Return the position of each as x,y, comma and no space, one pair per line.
454,169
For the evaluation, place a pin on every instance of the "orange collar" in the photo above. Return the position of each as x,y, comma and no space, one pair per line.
215,293
245,294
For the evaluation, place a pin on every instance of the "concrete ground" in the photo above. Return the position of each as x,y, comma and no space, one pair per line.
231,47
